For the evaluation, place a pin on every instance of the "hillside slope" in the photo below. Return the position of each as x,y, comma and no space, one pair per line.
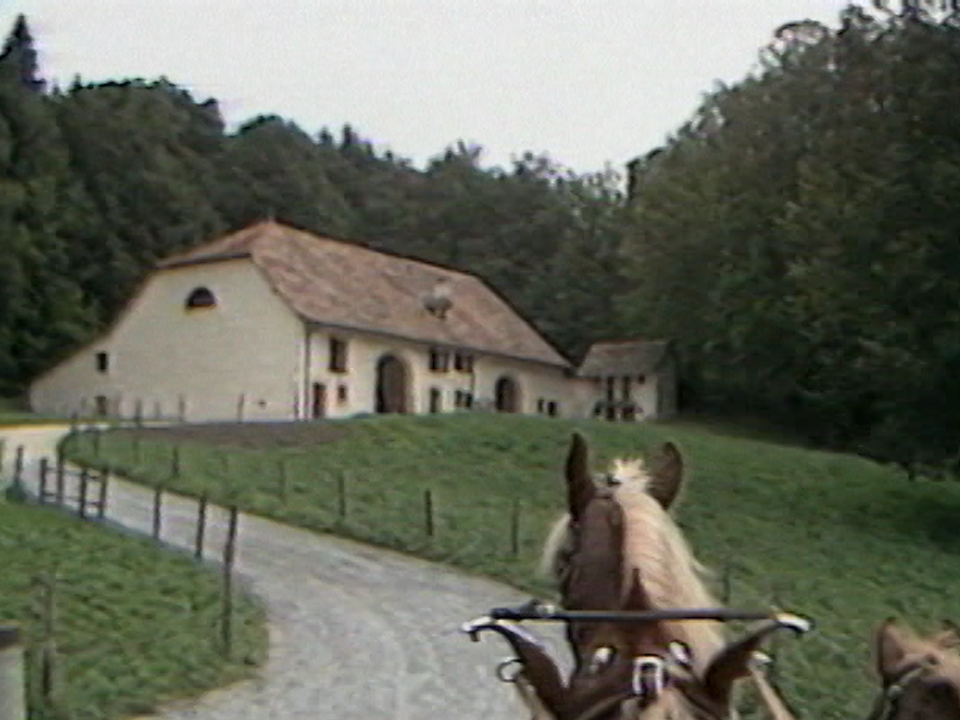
837,538
135,624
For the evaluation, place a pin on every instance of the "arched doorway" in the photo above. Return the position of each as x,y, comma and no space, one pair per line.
392,391
507,395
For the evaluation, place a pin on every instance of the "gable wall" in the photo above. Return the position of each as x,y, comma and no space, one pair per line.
160,352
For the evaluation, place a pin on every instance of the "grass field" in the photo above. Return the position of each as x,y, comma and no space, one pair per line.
135,625
837,538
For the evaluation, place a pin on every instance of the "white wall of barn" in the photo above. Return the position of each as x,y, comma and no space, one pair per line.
160,354
355,389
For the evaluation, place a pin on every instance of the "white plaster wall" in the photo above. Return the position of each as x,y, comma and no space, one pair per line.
365,350
249,344
645,394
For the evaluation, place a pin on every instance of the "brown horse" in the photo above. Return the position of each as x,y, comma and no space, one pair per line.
919,676
615,528
617,548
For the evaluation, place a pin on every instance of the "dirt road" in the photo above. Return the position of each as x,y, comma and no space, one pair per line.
355,632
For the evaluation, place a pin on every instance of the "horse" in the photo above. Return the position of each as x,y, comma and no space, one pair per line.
919,676
618,525
617,548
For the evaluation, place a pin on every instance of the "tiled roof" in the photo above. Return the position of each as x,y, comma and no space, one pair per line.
344,284
630,357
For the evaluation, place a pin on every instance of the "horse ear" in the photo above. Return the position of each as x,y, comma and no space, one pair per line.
948,637
580,486
891,645
666,475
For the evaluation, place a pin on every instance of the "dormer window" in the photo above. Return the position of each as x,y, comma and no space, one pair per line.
200,297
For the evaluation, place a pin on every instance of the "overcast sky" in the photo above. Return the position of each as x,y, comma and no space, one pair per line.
589,81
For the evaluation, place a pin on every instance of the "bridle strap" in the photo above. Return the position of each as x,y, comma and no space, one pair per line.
885,706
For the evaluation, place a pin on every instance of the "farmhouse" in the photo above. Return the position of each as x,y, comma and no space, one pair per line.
274,323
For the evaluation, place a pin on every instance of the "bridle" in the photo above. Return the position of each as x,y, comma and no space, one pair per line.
887,704
650,678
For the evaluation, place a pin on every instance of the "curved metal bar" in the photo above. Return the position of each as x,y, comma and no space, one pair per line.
534,610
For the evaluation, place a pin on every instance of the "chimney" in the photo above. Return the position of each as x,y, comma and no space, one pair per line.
437,301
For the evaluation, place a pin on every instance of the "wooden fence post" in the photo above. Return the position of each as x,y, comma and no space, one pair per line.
49,679
342,495
44,473
175,462
18,467
229,556
282,480
727,584
428,512
61,485
84,487
157,510
515,528
13,697
102,500
201,527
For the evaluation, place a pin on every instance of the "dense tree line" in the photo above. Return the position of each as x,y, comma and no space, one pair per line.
799,237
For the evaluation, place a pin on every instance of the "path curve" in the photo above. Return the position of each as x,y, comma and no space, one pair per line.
356,632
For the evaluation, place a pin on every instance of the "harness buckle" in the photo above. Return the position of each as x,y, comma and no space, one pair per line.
649,677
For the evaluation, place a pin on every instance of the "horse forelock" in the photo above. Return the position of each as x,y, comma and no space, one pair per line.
671,575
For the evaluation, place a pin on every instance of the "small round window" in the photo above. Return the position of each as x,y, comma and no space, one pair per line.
201,298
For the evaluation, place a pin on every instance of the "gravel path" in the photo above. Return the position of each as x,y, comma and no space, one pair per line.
355,632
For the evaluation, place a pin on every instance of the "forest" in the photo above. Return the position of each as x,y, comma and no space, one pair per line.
798,237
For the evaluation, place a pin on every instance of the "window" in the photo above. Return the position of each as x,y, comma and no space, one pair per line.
342,394
439,360
101,405
436,398
463,362
103,362
552,409
463,399
610,388
625,387
541,404
641,379
200,297
338,355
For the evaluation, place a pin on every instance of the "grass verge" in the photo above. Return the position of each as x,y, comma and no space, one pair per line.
838,538
136,625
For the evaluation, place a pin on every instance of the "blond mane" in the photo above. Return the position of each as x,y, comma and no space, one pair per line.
653,544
